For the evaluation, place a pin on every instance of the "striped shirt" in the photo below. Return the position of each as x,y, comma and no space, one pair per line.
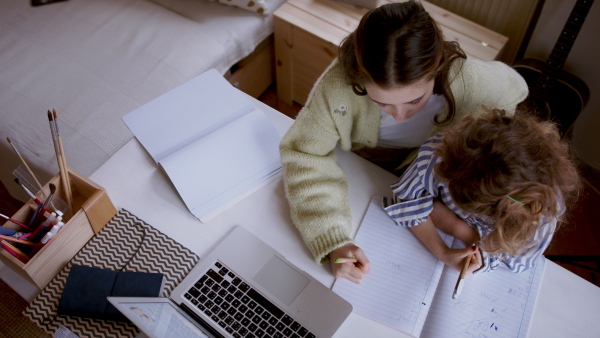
414,193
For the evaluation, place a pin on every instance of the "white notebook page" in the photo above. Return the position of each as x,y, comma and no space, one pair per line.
411,291
222,165
186,113
492,304
404,274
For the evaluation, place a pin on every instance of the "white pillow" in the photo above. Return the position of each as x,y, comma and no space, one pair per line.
258,6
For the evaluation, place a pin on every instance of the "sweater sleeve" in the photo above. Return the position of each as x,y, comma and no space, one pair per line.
315,184
491,84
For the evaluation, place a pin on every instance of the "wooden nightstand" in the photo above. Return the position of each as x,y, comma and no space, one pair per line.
308,33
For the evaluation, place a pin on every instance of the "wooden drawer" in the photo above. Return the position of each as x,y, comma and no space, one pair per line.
308,33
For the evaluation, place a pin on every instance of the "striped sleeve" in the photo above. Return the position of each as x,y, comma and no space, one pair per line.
414,190
526,260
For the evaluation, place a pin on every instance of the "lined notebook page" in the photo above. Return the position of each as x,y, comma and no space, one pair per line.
404,274
492,304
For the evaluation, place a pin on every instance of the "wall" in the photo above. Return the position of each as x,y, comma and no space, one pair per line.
582,62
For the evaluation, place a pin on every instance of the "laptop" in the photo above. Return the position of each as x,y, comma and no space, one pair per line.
243,288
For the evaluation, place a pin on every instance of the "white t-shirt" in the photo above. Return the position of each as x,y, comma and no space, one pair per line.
412,132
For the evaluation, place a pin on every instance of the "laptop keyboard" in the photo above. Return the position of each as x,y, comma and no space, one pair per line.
239,309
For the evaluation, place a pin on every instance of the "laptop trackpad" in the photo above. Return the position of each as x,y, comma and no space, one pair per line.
281,280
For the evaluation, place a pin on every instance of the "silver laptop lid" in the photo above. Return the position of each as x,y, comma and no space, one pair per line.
265,279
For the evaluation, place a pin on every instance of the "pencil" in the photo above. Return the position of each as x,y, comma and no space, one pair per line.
345,260
461,277
16,240
15,252
26,166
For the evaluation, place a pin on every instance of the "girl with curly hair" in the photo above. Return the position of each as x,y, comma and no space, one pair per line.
499,182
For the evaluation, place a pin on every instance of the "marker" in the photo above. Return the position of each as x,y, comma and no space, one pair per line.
345,260
461,277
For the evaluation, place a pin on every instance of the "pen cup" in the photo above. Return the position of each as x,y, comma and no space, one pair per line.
92,209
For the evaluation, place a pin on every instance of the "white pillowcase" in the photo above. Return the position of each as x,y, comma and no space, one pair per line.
258,6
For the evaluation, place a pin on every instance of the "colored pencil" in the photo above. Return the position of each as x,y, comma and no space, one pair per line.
461,277
345,260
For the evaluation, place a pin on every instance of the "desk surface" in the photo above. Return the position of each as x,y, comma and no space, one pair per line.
567,306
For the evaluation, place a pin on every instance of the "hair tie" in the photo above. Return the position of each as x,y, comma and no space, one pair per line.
514,200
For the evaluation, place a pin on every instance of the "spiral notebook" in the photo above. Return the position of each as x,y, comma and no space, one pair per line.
411,291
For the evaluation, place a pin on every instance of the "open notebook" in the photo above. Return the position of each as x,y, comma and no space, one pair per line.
214,145
410,290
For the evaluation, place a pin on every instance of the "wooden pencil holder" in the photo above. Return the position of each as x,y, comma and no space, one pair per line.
92,209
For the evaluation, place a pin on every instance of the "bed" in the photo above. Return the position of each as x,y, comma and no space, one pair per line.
96,60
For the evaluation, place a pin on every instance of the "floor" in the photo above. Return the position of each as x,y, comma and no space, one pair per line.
269,97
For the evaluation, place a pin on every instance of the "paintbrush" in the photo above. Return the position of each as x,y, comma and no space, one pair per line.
16,222
25,164
64,177
33,197
49,198
69,192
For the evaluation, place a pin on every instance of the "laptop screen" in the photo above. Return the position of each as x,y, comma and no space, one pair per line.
160,319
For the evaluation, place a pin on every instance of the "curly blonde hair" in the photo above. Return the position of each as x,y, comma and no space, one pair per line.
512,170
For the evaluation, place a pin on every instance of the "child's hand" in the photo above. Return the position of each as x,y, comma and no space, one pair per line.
455,258
354,272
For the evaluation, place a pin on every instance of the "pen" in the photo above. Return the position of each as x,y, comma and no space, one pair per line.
34,217
461,277
345,260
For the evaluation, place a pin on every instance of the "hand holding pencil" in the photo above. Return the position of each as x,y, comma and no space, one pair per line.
470,262
350,262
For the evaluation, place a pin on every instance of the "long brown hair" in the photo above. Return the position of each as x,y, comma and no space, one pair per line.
512,170
399,44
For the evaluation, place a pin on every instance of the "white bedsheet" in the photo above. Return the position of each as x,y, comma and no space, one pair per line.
96,60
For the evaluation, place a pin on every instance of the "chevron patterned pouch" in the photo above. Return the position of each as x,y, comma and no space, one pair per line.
126,243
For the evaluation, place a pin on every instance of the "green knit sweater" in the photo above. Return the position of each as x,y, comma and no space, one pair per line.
315,184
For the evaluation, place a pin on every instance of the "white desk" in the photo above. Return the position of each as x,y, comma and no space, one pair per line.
567,306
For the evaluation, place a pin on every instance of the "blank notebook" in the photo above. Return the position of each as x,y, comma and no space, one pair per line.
214,145
411,291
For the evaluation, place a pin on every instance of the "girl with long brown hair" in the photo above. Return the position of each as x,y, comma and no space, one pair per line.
395,83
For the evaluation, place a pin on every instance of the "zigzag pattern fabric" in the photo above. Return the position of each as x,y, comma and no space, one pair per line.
126,243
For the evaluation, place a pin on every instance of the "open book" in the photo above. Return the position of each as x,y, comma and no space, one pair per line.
209,139
410,290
